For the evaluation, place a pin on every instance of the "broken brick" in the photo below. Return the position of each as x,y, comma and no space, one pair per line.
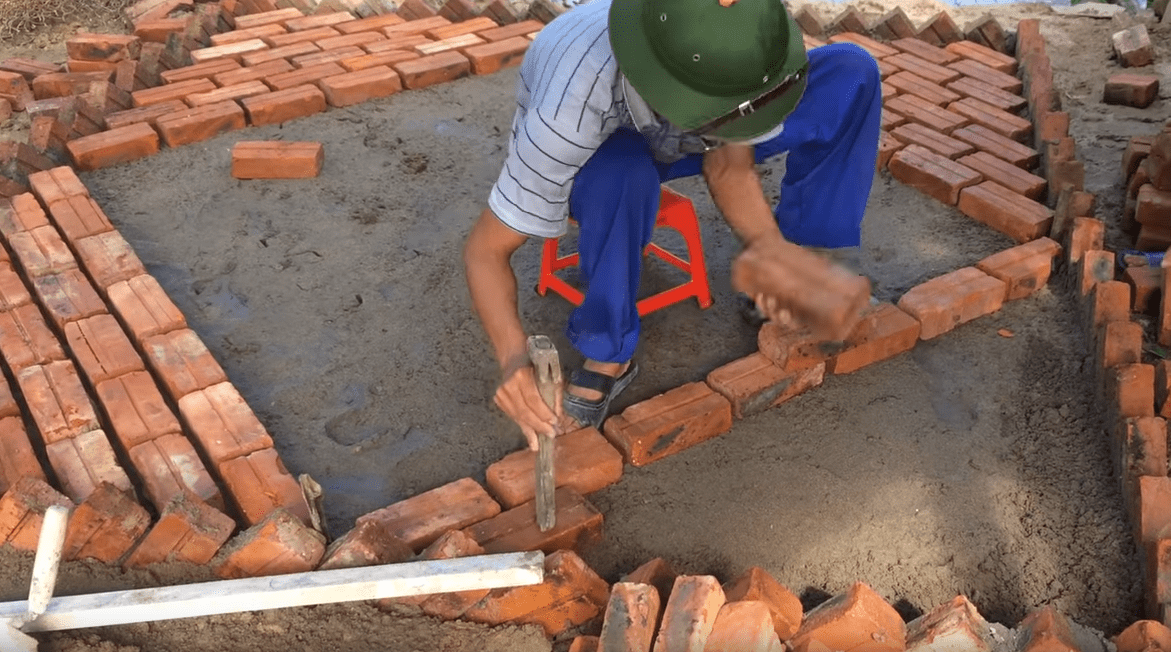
143,305
101,348
932,174
1024,268
287,104
669,423
223,424
17,459
433,69
744,625
25,338
1014,215
691,612
367,544
169,465
279,544
884,332
754,383
955,298
22,511
1087,235
182,362
784,608
1045,629
1144,636
582,459
259,483
859,618
952,625
105,526
632,615
421,519
577,522
115,146
82,463
57,401
1133,47
454,544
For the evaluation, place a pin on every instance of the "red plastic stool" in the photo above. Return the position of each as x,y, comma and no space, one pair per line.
676,212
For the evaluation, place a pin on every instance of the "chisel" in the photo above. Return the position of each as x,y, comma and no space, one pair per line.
547,370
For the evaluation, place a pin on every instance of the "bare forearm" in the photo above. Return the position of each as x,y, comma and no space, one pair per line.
735,188
493,288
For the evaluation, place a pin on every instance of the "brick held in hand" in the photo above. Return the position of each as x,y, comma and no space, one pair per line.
423,518
84,462
279,544
1012,214
1024,268
955,298
22,511
583,459
669,423
168,465
259,483
932,174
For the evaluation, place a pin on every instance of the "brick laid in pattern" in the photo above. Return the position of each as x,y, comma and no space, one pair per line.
258,484
84,462
144,307
182,362
281,106
223,423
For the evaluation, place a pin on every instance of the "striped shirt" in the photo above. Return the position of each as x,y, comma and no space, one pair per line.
570,98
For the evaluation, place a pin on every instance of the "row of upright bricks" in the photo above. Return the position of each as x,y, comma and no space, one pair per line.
123,400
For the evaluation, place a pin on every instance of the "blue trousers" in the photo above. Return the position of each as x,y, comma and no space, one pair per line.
832,141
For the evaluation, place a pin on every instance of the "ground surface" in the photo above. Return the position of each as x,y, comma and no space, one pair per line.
976,464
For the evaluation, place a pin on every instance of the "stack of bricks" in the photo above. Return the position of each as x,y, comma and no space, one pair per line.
191,72
1147,171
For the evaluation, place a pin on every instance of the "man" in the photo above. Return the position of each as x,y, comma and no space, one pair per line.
617,96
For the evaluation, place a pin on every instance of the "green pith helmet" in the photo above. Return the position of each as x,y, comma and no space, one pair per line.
731,72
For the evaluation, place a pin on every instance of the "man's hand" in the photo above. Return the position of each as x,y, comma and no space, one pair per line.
520,399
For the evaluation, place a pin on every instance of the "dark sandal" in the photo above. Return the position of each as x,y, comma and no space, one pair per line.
593,413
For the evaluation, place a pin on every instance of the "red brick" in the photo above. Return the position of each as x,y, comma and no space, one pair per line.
226,94
669,423
417,26
24,214
17,459
493,56
571,595
1120,342
894,24
25,338
8,406
421,519
459,28
285,52
577,523
657,573
83,463
858,619
22,511
460,43
1144,636
16,87
277,16
584,644
987,93
784,608
583,459
191,74
1045,630
258,483
1153,206
56,400
168,466
1016,216
932,174
891,119
114,146
361,85
235,51
744,625
1140,451
887,146
79,217
452,545
886,69
276,160
998,121
888,91
108,259
955,298
136,409
237,35
951,625
13,292
691,611
59,183
253,73
277,545
1109,300
41,252
61,84
223,424
914,133
754,383
188,530
631,617
986,31
884,332
173,91
876,49
984,55
29,68
1164,314
988,75
205,121
88,46
850,20
146,114
182,362
144,307
1006,174
927,114
1132,46
932,72
359,39
433,69
334,55
1132,389
507,32
1146,285
387,58
105,526
366,545
371,24
907,82
305,36
808,19
101,348
281,106
1024,268
405,42
1088,234
322,20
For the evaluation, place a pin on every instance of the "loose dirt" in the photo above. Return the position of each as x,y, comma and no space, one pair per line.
977,464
